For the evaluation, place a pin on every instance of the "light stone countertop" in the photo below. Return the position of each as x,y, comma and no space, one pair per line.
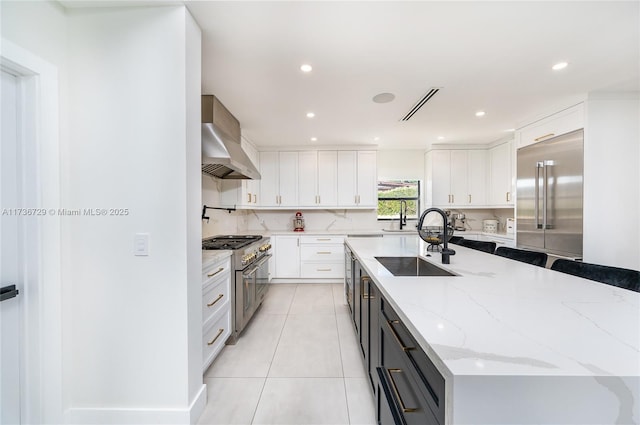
517,343
213,256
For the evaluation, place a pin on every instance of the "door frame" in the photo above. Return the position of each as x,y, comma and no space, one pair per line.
41,332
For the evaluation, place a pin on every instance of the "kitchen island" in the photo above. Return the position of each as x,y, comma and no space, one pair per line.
516,343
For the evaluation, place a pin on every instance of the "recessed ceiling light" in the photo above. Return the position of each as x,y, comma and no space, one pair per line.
314,139
440,137
480,114
384,97
310,115
559,66
306,67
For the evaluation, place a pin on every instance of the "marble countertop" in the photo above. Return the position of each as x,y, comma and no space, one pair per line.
213,256
502,317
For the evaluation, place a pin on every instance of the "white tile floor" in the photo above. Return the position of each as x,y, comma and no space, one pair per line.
296,363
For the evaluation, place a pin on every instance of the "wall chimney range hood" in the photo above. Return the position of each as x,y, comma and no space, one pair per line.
222,155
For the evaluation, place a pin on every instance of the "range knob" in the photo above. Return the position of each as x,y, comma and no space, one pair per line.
264,248
246,259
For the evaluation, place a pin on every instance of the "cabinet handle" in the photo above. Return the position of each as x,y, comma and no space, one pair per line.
216,337
249,197
323,239
323,270
469,198
216,272
404,408
255,198
318,199
216,300
453,199
395,335
508,196
544,137
323,252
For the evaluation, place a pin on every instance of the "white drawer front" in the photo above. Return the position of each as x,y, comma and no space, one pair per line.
322,270
215,297
322,253
216,271
331,239
214,337
555,125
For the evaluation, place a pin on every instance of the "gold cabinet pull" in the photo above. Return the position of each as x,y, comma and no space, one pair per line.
508,196
323,252
469,198
453,199
323,270
404,408
318,199
249,195
216,272
215,337
216,300
255,198
544,137
397,338
323,239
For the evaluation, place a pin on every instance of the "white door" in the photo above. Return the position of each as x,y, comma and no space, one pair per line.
287,255
10,306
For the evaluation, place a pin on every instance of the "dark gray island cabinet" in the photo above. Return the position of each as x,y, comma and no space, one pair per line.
407,387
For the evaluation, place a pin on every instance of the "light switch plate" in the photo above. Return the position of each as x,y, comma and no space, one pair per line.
141,244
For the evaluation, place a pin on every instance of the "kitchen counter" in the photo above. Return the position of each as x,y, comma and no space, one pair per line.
517,343
212,256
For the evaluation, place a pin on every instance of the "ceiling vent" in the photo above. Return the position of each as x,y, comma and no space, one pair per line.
432,92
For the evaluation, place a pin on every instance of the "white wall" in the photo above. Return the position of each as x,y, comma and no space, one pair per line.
612,180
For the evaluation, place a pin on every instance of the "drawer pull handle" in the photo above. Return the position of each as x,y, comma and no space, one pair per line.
323,239
545,136
323,270
323,252
395,390
216,272
397,338
215,301
216,337
249,197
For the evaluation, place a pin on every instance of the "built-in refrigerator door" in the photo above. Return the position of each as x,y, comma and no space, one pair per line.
562,194
529,198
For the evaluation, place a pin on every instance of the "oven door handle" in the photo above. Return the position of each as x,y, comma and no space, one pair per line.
257,266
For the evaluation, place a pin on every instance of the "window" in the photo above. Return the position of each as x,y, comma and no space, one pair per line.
391,192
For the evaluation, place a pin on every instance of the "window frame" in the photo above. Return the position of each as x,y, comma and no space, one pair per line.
404,198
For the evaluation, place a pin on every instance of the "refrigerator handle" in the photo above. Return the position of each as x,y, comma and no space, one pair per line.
544,195
536,196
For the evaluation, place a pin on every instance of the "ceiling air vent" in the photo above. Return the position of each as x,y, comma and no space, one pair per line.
432,92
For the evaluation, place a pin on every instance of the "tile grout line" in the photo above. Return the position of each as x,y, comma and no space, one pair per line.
264,384
344,380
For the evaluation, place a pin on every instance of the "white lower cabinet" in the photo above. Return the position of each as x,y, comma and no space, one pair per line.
216,308
309,256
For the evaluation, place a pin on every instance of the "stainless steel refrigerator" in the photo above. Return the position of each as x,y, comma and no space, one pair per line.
549,202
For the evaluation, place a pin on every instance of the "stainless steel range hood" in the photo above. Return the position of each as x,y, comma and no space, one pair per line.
222,155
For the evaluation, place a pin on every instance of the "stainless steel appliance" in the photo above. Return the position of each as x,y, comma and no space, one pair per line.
549,188
250,282
348,277
457,221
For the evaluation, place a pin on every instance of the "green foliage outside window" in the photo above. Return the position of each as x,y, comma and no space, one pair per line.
391,192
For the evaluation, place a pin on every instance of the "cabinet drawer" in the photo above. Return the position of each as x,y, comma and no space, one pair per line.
418,366
319,239
561,123
322,253
322,270
215,336
215,271
215,297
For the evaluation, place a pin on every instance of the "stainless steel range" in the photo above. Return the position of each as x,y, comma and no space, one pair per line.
250,259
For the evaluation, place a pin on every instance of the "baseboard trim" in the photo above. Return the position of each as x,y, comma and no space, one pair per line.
139,416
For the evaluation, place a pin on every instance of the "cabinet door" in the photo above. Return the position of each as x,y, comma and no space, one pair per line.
249,191
287,256
367,180
477,180
269,185
500,175
288,176
347,169
459,176
308,178
328,178
440,178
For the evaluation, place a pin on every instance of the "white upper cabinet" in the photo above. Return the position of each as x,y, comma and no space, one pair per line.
456,178
559,123
288,178
327,178
317,178
357,179
501,175
308,178
279,183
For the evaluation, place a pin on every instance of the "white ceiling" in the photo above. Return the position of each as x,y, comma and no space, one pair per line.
491,56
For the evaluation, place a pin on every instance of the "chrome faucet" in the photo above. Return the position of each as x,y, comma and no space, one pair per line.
403,216
446,252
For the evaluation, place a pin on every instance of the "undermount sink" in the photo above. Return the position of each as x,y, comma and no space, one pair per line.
412,266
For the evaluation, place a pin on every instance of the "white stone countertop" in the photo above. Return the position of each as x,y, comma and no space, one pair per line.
502,329
211,256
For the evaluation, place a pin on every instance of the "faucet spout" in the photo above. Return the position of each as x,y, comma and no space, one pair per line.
403,213
446,252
